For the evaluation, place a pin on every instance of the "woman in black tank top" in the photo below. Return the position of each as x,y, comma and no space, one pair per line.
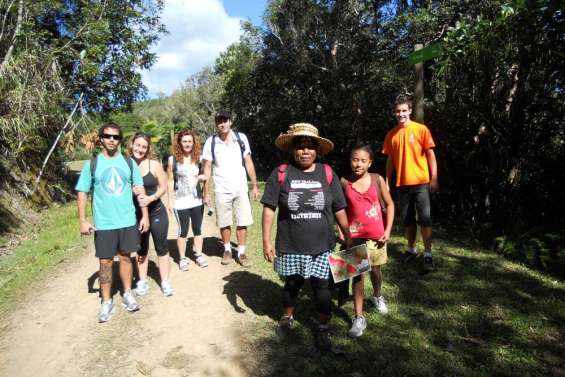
155,184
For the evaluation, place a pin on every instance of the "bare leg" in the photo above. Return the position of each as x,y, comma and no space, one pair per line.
411,235
164,263
142,266
197,241
358,295
181,246
376,280
241,233
226,234
427,237
126,271
105,277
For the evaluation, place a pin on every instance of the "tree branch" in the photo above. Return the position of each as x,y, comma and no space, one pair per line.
16,32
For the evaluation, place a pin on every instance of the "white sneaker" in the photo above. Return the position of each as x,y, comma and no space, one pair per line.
141,287
379,304
128,302
106,310
166,288
183,264
357,327
201,261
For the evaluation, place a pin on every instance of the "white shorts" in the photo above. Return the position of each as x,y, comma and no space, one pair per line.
227,204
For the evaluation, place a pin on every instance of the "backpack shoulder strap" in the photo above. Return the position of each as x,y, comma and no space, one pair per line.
175,172
329,174
344,181
93,163
129,161
376,181
213,148
241,146
282,174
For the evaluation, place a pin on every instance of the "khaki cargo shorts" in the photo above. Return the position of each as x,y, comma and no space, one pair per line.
377,256
228,205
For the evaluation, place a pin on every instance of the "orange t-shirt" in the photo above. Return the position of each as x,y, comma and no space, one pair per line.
407,147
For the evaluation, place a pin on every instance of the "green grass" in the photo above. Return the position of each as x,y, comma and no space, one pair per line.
55,238
476,315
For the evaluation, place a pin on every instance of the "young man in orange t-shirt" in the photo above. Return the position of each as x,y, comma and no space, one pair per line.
409,147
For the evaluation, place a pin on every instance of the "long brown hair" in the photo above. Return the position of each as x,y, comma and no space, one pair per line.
144,136
177,147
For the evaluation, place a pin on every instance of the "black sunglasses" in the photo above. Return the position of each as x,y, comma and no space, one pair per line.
110,136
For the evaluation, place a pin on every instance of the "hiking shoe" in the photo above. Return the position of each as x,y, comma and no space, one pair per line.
359,325
285,324
201,261
106,311
129,303
141,287
428,263
183,264
227,258
244,261
409,257
323,339
166,288
379,304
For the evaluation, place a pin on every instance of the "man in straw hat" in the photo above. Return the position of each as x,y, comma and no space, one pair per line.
309,197
230,154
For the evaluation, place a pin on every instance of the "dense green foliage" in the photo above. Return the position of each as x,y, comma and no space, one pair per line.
54,54
494,99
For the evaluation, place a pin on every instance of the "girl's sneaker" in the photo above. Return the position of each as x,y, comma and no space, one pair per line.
141,287
201,260
166,288
183,264
379,304
358,326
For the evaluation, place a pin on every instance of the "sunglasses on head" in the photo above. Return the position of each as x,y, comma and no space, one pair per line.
110,136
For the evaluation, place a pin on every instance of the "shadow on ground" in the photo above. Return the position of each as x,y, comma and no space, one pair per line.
477,314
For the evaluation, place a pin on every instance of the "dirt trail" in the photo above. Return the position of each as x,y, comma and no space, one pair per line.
196,332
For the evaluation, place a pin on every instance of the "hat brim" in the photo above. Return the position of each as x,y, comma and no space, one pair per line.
284,142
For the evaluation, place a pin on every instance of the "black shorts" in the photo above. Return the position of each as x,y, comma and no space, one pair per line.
109,242
412,201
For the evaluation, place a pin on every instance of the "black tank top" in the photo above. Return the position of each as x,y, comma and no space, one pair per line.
151,184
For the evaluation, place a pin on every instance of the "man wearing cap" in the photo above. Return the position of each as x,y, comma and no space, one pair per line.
409,147
230,154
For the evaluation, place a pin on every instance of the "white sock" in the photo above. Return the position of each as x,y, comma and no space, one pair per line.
412,250
427,253
241,250
227,246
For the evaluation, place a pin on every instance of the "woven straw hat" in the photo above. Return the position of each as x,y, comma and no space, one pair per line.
284,141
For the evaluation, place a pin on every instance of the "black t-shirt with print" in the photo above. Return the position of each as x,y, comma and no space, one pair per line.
305,222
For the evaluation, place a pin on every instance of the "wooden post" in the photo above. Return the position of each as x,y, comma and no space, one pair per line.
418,111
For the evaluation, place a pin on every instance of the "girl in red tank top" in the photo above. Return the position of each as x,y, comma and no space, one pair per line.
366,195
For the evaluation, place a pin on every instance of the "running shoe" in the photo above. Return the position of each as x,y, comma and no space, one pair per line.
244,261
166,288
379,304
129,303
358,326
106,311
183,264
323,339
285,324
409,256
201,261
428,263
227,258
141,287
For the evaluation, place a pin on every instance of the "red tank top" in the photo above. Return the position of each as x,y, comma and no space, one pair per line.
364,213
